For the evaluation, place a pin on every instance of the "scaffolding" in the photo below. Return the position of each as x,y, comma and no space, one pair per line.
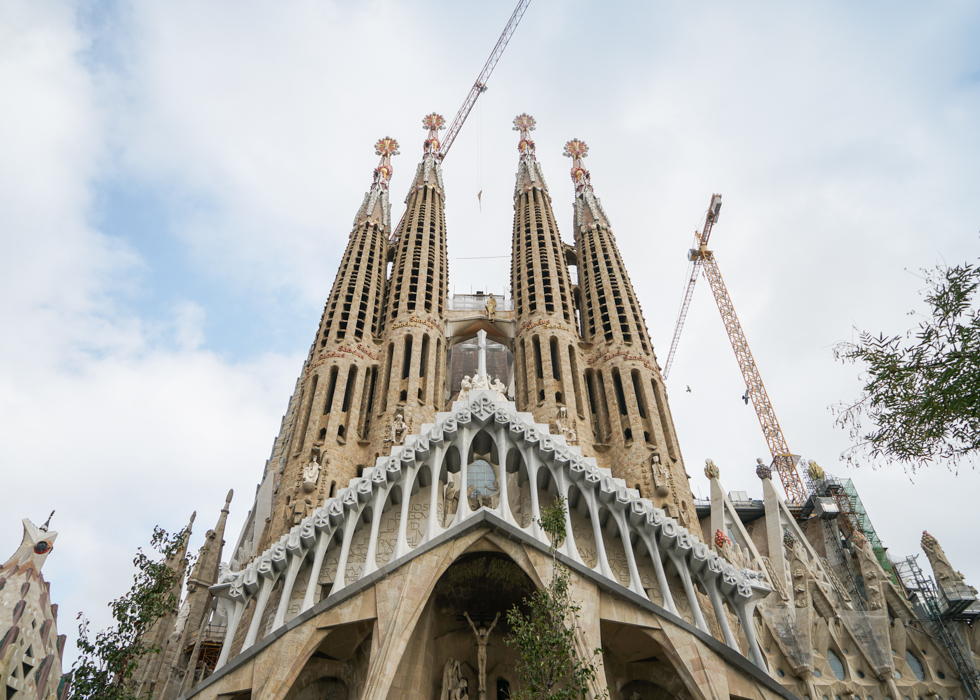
931,608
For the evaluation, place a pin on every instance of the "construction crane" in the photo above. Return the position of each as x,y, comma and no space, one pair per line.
703,260
479,87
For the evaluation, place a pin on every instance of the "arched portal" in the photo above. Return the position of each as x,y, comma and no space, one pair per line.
444,648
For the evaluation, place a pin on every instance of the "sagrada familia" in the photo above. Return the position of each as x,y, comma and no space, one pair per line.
396,520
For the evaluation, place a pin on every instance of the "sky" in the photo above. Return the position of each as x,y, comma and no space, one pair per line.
178,180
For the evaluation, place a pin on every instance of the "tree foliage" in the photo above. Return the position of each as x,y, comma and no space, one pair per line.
922,390
550,664
108,660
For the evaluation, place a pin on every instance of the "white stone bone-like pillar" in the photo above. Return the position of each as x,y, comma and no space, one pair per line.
658,566
433,527
323,540
377,509
260,602
600,543
296,560
500,435
681,565
624,534
401,540
466,434
714,595
233,621
340,579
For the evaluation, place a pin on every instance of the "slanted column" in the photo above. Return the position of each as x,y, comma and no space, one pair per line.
323,540
624,534
433,527
658,565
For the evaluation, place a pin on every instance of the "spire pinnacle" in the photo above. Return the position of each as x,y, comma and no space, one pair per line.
433,123
386,148
576,149
525,124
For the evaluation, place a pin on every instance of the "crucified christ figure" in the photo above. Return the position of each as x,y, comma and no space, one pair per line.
482,635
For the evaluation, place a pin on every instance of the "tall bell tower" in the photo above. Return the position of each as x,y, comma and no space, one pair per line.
633,428
547,356
413,369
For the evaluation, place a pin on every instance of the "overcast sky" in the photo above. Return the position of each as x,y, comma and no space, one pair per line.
178,180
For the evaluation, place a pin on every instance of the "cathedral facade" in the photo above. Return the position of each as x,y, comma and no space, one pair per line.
396,520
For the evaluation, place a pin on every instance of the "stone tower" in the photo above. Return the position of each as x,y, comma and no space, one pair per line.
413,367
332,417
547,356
634,432
30,648
153,666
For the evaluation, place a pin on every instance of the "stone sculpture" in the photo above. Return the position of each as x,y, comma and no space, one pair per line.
501,390
482,636
563,425
311,476
464,387
399,429
450,503
711,469
492,308
454,686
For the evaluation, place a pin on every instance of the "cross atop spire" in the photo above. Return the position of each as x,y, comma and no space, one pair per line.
525,124
386,148
576,149
434,123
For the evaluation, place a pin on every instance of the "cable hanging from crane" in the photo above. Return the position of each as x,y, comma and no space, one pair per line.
479,87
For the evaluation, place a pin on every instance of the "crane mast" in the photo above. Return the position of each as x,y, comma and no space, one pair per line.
479,87
704,260
714,209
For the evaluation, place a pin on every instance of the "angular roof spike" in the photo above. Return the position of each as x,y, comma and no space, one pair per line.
433,123
525,124
386,148
576,149
44,528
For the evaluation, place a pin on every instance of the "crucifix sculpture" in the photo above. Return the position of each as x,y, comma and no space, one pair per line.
482,635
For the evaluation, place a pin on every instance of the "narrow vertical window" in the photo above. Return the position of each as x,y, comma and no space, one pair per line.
555,359
331,386
407,361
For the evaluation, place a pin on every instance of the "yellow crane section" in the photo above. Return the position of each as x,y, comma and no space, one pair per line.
703,259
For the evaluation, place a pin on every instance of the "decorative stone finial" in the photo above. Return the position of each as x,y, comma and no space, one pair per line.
47,523
928,541
433,123
815,471
721,539
386,148
789,540
762,470
577,149
711,469
525,124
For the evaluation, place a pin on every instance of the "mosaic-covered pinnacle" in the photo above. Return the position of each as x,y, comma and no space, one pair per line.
386,148
433,123
576,149
525,124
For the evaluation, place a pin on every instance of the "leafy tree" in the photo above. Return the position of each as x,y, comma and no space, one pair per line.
108,661
922,390
550,665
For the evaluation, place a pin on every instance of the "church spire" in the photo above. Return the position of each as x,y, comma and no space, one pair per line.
546,353
628,399
376,209
415,308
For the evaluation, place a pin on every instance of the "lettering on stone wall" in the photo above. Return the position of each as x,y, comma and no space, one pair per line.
543,323
419,322
360,352
603,356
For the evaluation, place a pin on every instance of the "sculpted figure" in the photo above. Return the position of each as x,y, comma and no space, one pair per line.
450,503
492,308
501,390
711,469
311,475
482,635
659,476
453,684
464,387
399,429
